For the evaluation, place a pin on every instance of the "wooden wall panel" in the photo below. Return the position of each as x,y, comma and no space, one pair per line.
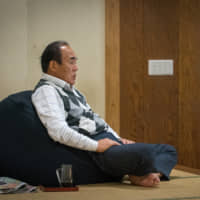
155,109
149,104
131,70
189,98
161,92
113,63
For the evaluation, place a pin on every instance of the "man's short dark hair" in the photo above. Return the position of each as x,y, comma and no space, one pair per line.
52,52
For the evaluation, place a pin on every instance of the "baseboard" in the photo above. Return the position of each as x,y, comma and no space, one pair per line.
187,169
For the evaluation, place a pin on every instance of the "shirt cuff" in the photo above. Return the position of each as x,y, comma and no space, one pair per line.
93,146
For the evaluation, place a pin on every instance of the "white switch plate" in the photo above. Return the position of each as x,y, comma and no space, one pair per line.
160,67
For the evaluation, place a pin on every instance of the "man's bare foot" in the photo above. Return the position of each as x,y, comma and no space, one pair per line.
149,180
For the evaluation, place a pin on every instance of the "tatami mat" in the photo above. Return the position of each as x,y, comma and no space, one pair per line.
183,186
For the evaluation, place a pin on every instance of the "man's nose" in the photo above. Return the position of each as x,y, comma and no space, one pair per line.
75,67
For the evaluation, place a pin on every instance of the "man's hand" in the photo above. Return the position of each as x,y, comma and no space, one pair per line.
126,141
105,144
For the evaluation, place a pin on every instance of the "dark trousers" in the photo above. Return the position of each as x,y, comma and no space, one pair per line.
137,159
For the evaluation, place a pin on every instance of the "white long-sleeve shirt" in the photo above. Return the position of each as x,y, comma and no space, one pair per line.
51,111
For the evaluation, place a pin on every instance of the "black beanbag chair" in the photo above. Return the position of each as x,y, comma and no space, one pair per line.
27,152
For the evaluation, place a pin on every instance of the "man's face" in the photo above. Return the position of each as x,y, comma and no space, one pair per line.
67,70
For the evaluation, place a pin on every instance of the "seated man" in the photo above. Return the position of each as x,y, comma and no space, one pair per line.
68,118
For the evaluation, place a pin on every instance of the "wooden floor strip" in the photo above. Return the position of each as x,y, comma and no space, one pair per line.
179,198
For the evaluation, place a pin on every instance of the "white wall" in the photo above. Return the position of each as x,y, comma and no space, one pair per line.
13,46
38,22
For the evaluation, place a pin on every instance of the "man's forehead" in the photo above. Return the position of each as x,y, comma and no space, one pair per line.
68,52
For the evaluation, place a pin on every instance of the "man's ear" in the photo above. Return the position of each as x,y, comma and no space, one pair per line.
52,66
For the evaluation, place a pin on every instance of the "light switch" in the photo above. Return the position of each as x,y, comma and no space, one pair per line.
160,67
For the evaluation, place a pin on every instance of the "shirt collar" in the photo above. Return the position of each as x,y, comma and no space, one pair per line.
57,81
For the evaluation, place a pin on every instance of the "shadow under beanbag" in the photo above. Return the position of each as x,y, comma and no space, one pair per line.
30,155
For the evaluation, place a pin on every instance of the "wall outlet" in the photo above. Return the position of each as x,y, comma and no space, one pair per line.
160,67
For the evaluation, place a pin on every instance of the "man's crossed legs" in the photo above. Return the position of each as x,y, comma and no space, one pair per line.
145,164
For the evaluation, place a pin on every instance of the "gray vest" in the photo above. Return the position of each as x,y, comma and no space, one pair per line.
82,120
